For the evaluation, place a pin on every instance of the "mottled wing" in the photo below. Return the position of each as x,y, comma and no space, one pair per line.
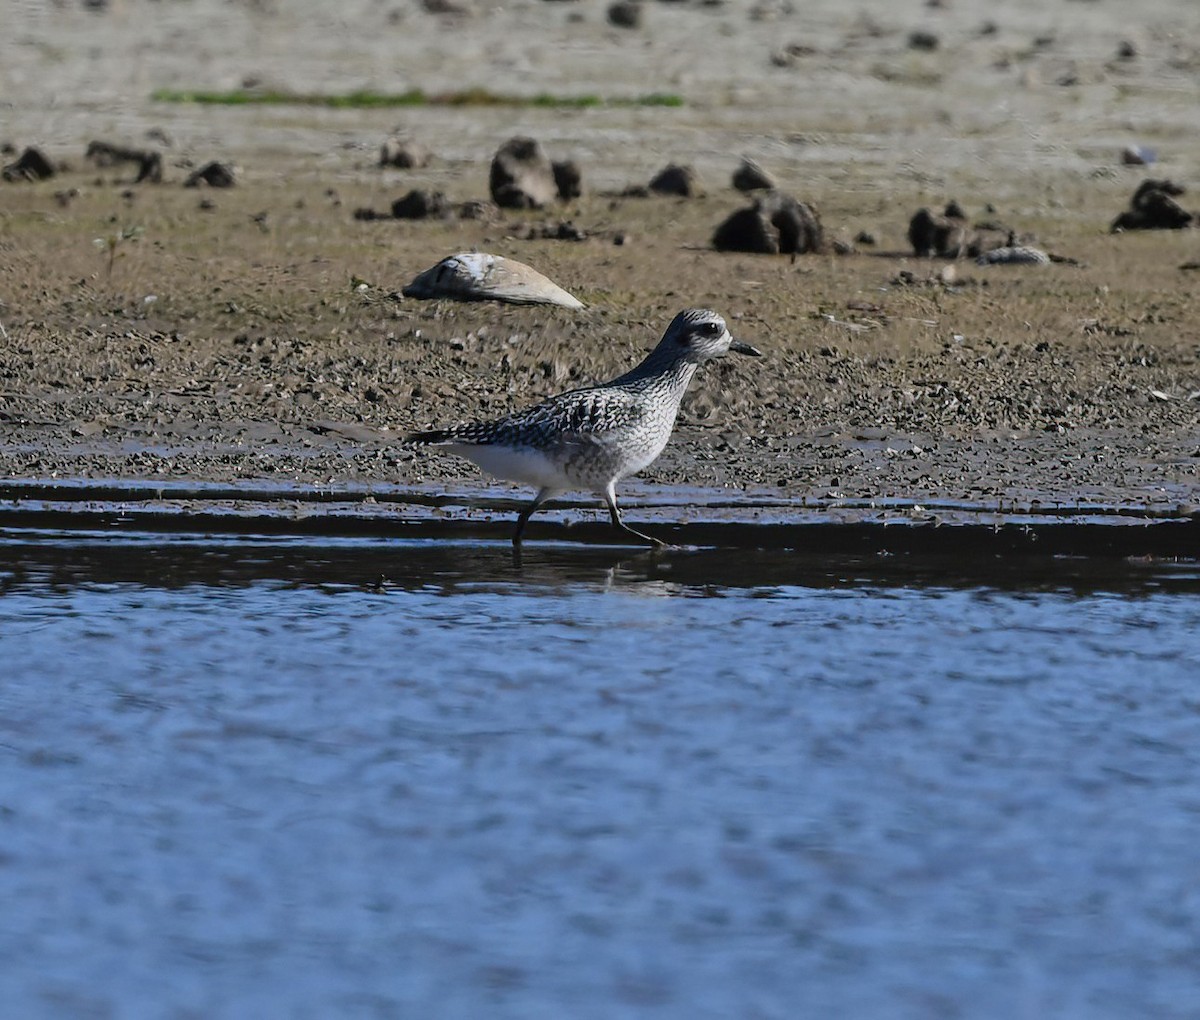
580,417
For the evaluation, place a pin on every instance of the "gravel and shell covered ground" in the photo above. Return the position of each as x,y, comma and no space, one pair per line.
153,331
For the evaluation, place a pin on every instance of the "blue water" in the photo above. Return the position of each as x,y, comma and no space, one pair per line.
386,780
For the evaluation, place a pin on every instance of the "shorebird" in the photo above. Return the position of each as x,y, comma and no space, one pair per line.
593,437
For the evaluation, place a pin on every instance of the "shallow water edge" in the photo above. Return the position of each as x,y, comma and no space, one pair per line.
699,518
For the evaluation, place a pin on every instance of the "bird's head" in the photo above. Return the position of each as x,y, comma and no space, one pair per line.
698,335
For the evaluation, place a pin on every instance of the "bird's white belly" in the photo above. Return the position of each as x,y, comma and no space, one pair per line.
584,465
516,464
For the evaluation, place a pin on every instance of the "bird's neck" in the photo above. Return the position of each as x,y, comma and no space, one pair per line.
669,375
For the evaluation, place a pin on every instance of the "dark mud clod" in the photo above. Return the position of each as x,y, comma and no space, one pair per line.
775,224
568,179
1153,207
949,236
676,179
403,153
522,176
931,234
31,165
420,205
148,162
564,230
625,14
749,176
213,175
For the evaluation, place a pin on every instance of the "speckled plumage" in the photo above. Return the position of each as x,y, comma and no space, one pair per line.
591,438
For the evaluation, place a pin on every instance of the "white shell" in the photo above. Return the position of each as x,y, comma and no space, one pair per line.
478,276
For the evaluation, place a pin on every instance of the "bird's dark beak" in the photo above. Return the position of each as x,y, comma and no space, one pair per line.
740,348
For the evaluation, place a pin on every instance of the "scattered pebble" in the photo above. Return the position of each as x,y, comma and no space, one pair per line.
419,204
625,14
749,176
31,165
213,175
105,154
678,180
522,176
1153,207
775,224
403,153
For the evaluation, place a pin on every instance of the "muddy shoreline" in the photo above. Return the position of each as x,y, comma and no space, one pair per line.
257,333
686,519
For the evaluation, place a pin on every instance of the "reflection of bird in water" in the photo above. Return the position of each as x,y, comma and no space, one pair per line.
593,437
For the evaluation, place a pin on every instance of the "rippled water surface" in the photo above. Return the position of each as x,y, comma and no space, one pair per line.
386,779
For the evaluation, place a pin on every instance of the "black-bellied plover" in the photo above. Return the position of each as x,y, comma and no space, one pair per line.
593,437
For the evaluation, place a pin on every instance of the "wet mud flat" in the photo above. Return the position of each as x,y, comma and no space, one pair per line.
259,333
139,551
118,554
971,535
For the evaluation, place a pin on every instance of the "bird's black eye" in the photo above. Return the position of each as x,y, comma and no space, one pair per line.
711,329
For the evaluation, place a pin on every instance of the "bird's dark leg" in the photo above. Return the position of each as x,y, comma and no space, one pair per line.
542,496
610,498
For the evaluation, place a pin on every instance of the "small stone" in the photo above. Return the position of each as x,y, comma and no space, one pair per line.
420,205
522,176
775,223
32,165
626,14
405,154
749,176
931,234
477,209
1136,155
1153,207
568,179
214,175
676,180
791,53
565,231
104,154
450,8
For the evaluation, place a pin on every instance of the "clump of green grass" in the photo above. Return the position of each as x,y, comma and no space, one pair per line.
367,98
